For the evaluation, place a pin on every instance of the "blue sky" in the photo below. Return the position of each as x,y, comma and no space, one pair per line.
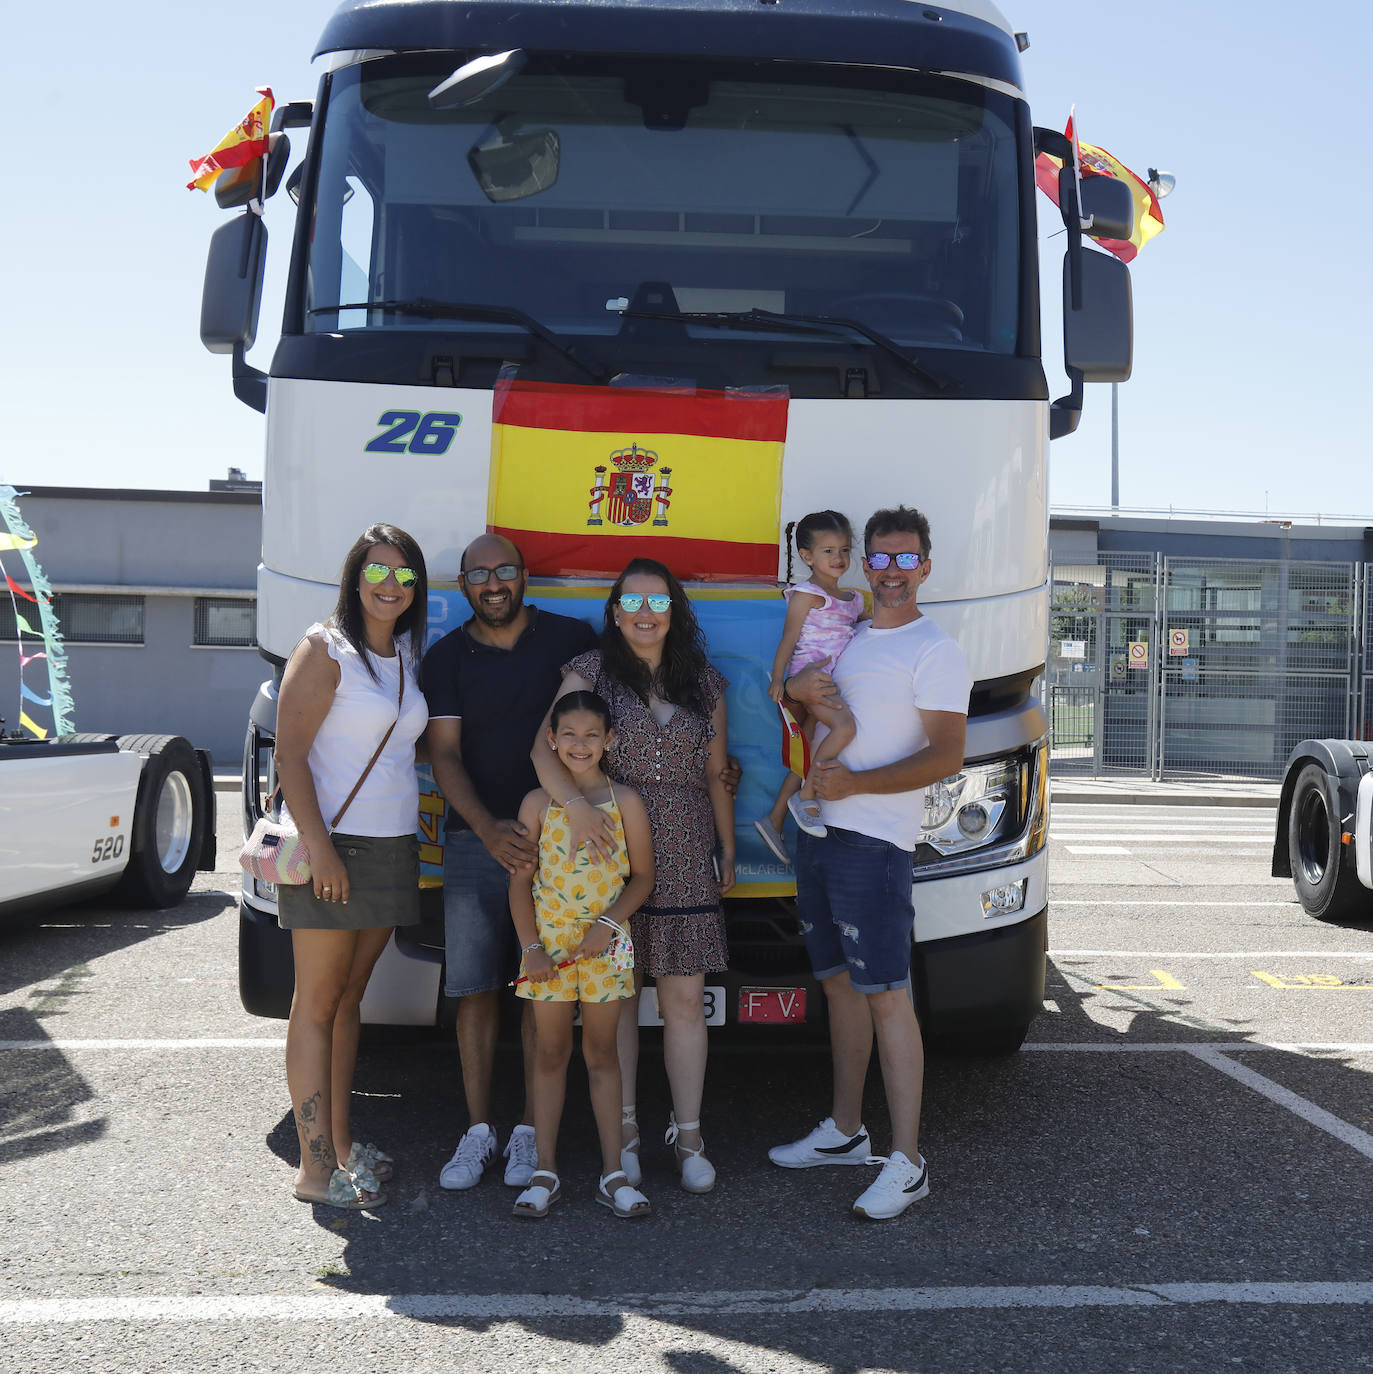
1252,309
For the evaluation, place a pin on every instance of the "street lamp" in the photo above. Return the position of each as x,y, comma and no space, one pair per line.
1161,184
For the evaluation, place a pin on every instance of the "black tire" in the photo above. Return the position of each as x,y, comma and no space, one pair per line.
169,822
1326,886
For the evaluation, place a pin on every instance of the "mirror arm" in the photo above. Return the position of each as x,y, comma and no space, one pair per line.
250,383
1066,411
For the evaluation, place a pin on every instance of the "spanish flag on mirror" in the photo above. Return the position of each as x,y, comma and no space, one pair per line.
584,478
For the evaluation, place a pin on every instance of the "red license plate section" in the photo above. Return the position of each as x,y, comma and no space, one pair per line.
772,1004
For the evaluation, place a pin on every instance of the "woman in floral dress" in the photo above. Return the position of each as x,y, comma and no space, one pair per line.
668,707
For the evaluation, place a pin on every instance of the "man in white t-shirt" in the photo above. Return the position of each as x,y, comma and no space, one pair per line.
907,684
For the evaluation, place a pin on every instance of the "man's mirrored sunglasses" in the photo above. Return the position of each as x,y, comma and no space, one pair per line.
632,601
377,573
905,561
507,572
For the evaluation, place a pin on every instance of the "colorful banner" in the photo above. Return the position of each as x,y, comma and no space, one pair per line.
17,536
585,478
1097,162
245,141
795,745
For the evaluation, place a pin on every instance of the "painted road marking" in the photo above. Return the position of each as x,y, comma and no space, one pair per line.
1324,981
1219,901
1141,837
1089,849
1163,981
1209,954
373,1307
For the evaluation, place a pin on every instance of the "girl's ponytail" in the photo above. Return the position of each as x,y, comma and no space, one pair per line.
791,526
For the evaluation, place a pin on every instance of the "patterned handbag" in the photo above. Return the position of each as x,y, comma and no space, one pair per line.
275,852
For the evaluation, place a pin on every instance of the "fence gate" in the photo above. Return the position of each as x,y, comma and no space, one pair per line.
1102,655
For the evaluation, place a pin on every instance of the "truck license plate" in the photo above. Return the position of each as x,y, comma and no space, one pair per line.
772,1004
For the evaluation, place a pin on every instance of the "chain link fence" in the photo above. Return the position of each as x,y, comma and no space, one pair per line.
1182,667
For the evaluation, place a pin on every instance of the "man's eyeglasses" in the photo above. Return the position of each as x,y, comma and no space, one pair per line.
377,573
905,561
479,577
632,601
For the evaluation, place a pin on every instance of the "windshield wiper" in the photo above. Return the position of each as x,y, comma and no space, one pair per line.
805,324
429,309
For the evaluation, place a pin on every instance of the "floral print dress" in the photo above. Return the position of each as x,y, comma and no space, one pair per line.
680,929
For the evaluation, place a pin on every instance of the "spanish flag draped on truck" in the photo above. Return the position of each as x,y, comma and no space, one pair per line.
585,478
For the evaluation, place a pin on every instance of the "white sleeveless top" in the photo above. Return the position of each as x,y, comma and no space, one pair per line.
363,707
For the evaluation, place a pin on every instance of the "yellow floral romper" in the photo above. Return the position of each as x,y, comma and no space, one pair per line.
569,894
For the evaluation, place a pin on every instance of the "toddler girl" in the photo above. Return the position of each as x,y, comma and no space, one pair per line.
565,918
820,622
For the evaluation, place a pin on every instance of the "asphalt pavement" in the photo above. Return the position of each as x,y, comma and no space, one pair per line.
1174,1173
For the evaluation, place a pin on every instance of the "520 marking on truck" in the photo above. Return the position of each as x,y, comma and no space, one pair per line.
429,433
111,847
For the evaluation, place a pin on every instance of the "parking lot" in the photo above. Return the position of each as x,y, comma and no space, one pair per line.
1176,1172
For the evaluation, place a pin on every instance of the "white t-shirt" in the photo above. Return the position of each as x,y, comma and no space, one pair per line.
387,804
888,677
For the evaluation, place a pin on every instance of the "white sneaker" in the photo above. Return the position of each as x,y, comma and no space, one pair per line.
522,1157
826,1144
898,1185
475,1151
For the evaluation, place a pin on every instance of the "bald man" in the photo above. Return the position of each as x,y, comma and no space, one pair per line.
488,684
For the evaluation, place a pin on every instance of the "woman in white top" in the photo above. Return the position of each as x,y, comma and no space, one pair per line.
346,683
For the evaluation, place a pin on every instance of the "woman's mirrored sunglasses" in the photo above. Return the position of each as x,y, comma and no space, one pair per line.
905,561
377,573
632,601
507,572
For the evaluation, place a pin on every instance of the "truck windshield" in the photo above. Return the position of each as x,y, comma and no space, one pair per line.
589,189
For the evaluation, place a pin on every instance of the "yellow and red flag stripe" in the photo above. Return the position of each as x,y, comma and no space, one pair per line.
245,141
795,745
1097,162
584,478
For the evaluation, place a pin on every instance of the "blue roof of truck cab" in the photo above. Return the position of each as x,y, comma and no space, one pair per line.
886,33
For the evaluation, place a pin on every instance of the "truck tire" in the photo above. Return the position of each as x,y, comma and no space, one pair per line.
169,822
1326,886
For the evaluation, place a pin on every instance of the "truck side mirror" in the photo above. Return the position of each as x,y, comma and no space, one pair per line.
1098,339
233,284
1110,206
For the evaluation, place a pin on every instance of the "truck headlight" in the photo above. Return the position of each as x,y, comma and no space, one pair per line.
980,805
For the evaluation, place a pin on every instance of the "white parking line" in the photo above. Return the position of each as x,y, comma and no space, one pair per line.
1090,849
1209,954
371,1307
1149,837
1223,901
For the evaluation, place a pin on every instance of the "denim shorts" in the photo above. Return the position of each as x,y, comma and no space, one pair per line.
478,936
853,895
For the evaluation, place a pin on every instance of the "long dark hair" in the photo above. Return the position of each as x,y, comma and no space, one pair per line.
681,675
347,617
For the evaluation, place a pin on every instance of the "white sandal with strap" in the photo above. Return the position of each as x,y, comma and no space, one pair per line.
629,1153
624,1201
539,1198
698,1173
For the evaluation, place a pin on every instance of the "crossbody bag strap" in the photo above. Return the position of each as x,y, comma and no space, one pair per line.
357,786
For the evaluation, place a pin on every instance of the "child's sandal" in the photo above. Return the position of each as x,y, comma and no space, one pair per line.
624,1200
539,1198
629,1151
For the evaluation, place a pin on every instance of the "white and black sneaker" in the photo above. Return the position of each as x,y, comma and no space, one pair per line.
522,1157
893,1190
826,1144
475,1151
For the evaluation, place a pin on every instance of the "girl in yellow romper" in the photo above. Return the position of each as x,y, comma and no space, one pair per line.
563,913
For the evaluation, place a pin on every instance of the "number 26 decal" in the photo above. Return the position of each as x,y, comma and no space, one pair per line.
407,431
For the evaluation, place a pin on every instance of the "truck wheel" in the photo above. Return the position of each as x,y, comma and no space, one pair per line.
1326,887
169,822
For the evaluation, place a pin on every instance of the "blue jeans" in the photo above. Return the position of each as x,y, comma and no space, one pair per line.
853,895
478,936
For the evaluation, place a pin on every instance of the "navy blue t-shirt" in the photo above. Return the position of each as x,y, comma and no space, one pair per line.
501,696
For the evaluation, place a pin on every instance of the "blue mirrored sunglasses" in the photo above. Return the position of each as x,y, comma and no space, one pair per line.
632,601
377,573
905,561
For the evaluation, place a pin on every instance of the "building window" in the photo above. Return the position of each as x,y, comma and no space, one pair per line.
225,621
89,619
83,618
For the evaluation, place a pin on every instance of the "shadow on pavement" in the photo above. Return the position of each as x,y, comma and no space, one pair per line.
41,1095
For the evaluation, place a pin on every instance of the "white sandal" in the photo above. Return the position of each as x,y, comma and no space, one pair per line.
698,1173
539,1198
629,1153
624,1201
